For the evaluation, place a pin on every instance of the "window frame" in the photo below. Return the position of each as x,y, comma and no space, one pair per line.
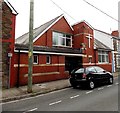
48,61
117,60
103,56
90,60
34,59
61,36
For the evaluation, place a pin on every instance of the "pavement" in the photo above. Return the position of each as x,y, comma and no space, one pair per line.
37,89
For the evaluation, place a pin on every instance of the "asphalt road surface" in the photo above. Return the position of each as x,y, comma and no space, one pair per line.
102,98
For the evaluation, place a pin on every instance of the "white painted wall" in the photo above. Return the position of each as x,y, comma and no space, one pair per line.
108,41
104,38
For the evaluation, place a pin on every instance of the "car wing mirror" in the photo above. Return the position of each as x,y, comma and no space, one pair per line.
104,71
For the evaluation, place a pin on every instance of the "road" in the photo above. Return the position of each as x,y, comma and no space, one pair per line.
103,98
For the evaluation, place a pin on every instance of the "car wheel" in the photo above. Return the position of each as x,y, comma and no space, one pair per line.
74,85
110,80
91,85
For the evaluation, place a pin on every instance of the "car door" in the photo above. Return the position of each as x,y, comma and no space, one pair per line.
106,76
92,74
102,74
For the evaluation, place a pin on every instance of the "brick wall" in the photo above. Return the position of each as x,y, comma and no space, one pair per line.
7,39
42,72
81,31
46,38
6,34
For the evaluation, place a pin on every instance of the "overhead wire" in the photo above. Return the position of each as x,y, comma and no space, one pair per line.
101,11
62,10
88,4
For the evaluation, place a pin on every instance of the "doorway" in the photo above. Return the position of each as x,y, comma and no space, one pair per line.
72,63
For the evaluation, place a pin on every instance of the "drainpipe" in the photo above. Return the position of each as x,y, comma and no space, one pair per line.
95,56
113,64
18,72
10,56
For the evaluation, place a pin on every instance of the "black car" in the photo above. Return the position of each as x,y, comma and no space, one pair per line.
90,76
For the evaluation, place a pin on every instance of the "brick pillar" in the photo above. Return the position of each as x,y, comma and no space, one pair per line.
5,64
6,42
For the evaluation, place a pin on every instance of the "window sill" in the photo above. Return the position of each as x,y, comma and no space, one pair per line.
104,63
35,63
62,46
48,63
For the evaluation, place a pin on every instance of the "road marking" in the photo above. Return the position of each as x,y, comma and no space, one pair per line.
55,102
28,98
57,91
116,83
74,96
89,92
14,101
109,85
31,110
101,88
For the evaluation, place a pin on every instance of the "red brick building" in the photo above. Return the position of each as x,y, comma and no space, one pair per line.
53,52
59,48
96,52
7,40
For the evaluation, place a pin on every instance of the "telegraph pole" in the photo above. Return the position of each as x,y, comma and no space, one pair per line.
119,52
30,53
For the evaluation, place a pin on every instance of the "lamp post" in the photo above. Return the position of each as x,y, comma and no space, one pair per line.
30,53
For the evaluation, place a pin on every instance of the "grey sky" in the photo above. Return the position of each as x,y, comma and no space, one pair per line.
45,10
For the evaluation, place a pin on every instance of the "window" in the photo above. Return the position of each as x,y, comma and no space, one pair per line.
117,45
103,57
60,39
90,59
48,59
118,60
35,59
68,42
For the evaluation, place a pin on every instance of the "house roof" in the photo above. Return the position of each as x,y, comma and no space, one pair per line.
112,36
85,23
103,32
100,45
37,32
11,7
50,50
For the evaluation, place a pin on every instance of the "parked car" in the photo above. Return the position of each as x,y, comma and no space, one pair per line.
90,76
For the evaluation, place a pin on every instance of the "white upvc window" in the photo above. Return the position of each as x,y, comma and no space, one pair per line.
103,57
118,60
35,59
61,39
118,45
